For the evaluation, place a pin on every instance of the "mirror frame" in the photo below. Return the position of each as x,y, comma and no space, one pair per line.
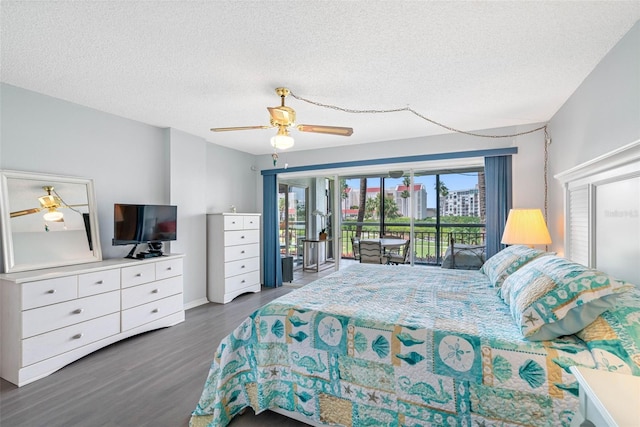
8,254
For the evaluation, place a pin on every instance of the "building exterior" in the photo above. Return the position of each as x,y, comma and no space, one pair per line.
352,199
461,203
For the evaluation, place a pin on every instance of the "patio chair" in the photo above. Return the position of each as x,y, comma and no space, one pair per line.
355,244
371,253
402,257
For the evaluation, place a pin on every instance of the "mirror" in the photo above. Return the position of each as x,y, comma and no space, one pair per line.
47,221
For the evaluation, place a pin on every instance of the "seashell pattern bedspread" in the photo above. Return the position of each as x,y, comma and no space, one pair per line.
379,345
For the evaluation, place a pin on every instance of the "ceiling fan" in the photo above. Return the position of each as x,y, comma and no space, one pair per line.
49,202
282,117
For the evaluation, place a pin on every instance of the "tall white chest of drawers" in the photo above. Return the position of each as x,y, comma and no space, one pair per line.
54,316
233,255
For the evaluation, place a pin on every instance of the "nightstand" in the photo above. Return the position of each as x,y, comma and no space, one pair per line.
607,399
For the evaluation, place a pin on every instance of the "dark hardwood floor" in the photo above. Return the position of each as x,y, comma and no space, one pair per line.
154,379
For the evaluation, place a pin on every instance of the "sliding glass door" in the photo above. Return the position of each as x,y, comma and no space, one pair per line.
430,208
292,208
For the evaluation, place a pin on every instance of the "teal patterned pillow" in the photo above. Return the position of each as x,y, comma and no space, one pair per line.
552,296
614,337
501,265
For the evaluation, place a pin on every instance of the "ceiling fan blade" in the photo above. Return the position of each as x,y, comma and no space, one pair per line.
24,212
240,128
332,130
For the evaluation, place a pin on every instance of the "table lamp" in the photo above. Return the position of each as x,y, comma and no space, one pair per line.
525,227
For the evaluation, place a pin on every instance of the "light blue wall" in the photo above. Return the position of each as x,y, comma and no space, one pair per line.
601,115
132,162
528,182
129,162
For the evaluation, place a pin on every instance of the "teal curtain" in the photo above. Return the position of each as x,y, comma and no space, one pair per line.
272,264
497,171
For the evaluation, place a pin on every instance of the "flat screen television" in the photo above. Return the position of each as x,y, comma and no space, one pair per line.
152,224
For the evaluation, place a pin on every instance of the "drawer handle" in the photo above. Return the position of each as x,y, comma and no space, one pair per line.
99,282
169,268
242,266
242,281
155,291
242,237
155,310
78,311
242,252
51,291
77,336
139,275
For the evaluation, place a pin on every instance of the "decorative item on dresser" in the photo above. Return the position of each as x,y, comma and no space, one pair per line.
54,316
233,255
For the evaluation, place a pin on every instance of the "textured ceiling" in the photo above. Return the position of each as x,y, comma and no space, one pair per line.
195,65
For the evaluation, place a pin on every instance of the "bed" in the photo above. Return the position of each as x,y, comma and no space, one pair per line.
380,345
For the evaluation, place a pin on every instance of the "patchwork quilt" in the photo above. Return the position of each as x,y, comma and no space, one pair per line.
379,345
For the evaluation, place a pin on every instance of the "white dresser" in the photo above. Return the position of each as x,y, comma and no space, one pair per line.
54,316
233,255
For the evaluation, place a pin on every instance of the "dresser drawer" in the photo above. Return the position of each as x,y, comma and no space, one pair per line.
146,313
251,222
241,237
168,268
66,339
98,282
233,253
50,291
241,281
142,294
242,266
138,274
45,319
232,222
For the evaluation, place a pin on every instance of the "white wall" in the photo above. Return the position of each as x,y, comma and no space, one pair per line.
129,162
230,180
132,162
528,169
601,115
188,172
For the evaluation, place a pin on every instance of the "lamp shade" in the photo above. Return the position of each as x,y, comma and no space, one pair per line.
526,227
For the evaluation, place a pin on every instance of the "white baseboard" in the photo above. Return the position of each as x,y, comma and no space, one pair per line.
196,303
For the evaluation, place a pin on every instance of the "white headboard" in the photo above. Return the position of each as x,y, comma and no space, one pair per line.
602,213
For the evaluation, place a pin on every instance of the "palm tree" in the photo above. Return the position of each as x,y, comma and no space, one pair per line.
442,192
361,206
482,196
344,193
405,194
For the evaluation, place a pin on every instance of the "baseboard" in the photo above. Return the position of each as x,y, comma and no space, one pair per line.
196,303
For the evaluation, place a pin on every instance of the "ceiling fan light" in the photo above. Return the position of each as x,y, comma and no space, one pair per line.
53,215
282,140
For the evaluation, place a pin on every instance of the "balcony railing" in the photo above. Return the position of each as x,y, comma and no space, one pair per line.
429,246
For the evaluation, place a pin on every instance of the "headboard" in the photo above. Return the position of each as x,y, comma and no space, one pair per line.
602,213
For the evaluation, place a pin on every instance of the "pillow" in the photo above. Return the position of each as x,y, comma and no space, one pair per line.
552,296
501,265
614,337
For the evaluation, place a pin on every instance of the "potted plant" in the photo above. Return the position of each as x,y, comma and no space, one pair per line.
323,231
323,234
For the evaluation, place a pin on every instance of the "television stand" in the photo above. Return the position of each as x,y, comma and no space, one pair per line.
130,254
150,254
